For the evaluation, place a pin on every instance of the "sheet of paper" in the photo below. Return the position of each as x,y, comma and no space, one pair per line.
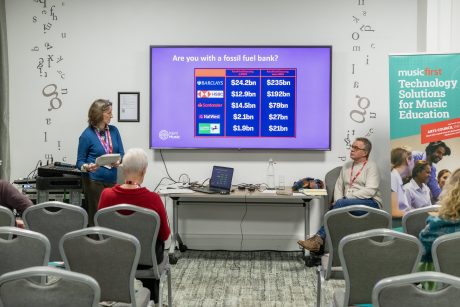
107,159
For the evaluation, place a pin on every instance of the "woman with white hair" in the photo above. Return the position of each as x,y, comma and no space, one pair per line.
131,192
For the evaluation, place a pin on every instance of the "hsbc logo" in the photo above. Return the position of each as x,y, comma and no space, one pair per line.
210,94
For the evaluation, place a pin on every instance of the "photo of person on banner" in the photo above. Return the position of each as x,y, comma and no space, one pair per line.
434,153
443,175
417,192
402,164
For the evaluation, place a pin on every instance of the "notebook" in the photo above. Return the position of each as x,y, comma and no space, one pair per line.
220,182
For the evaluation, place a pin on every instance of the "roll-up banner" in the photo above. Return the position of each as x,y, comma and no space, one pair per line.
425,108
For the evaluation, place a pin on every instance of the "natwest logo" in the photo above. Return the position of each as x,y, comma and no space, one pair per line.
209,116
210,94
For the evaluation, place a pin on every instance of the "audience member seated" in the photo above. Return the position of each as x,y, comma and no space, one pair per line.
447,219
358,184
417,192
442,177
401,167
12,198
131,192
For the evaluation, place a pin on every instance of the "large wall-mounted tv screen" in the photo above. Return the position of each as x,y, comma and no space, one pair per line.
268,97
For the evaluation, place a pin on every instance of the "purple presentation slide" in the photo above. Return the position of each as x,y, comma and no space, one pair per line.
240,97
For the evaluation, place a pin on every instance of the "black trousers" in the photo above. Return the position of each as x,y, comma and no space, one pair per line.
93,190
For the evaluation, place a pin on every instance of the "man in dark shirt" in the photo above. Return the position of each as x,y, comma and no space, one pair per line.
12,198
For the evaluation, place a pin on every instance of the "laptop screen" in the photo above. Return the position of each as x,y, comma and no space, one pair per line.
221,178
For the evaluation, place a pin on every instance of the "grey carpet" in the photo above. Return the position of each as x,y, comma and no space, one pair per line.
260,278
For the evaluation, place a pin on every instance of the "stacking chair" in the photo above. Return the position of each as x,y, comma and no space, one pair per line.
338,224
370,256
144,224
111,260
402,290
22,248
54,219
68,289
445,252
415,220
6,218
330,180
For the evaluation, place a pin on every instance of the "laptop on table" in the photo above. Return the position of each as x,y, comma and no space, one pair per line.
220,182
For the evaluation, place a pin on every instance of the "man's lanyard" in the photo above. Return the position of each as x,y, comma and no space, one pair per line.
357,174
107,142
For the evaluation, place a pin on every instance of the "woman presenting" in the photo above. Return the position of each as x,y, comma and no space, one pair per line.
98,139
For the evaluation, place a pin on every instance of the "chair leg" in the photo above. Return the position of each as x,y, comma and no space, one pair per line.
160,293
318,287
168,272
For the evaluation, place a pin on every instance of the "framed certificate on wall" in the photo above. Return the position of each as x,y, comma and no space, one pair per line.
128,106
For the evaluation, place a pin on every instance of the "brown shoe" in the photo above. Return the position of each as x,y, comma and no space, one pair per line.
312,244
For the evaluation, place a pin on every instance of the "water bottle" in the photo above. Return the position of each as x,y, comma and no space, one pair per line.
271,175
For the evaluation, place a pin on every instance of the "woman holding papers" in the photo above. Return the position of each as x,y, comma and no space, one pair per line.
98,139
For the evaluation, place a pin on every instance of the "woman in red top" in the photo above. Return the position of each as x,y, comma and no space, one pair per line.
134,167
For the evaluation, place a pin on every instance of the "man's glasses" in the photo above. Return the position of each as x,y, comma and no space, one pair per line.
357,148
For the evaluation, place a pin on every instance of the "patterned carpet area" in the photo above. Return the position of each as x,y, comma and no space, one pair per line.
260,278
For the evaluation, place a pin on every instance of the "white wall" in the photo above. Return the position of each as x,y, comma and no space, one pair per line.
105,50
443,26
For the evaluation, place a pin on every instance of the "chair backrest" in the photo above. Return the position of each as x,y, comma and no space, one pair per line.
329,180
415,220
341,222
366,260
403,291
68,289
445,254
54,219
6,218
112,260
22,249
142,223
